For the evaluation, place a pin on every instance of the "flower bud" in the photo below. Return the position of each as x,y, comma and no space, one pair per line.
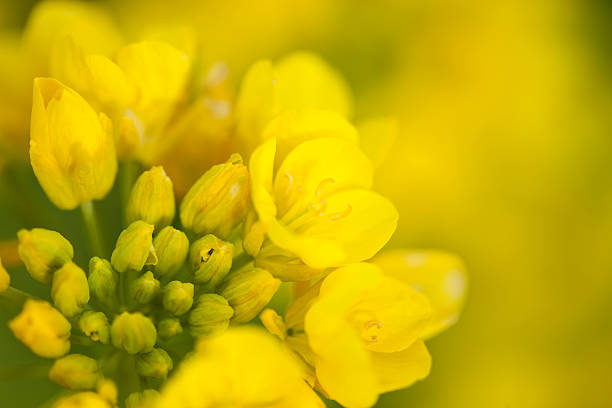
253,234
152,199
72,149
178,297
211,260
95,326
43,252
102,279
156,363
171,247
145,399
169,327
86,399
248,291
211,313
144,288
42,328
134,248
5,278
69,290
133,332
218,201
75,372
107,389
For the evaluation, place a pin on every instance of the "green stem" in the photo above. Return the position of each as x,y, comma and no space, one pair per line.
14,298
127,176
38,369
93,228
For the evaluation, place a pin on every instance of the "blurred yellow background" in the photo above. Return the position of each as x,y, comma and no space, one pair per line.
504,157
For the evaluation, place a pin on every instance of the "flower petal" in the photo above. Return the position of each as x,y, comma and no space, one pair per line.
401,369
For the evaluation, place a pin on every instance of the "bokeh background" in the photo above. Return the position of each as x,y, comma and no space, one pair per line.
504,156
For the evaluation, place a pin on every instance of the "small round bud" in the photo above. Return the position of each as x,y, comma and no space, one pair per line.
211,260
134,248
248,291
85,399
144,288
43,252
253,234
95,326
133,332
70,290
218,201
169,327
5,278
107,389
42,328
145,399
156,363
212,313
152,199
75,372
171,247
178,297
102,280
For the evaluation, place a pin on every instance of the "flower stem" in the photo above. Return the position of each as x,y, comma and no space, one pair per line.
93,229
14,298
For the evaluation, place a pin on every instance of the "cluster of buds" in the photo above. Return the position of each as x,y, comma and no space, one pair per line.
160,285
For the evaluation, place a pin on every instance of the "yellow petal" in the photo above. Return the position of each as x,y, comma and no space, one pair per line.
5,278
261,170
441,276
316,169
401,369
305,80
377,136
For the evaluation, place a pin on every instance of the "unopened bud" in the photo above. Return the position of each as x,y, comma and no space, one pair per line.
70,290
178,297
212,313
144,399
5,278
169,327
42,328
171,247
85,399
75,372
156,363
144,288
102,279
152,199
134,248
133,332
43,252
248,291
107,389
95,326
211,260
253,234
218,201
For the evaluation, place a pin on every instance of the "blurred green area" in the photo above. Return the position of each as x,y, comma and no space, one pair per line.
504,157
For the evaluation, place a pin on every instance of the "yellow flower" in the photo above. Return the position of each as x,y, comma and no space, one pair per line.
315,204
242,367
5,278
71,147
439,275
299,80
42,328
364,330
82,400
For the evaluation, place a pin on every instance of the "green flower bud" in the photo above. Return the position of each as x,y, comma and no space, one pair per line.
178,297
145,399
133,332
69,290
102,280
171,247
211,260
169,327
95,326
134,248
212,313
156,363
144,288
75,372
218,201
152,199
248,291
43,252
